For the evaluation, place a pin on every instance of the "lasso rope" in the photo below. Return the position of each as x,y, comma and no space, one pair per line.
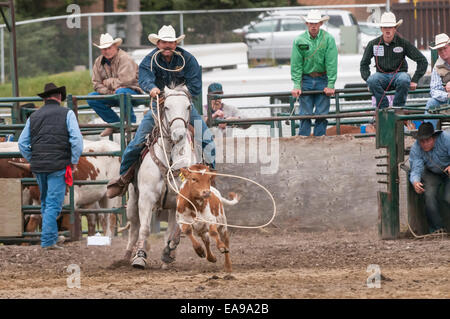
176,190
168,70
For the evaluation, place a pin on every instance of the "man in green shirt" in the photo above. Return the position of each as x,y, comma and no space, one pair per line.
314,67
390,51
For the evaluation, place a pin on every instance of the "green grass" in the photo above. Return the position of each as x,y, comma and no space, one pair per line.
76,83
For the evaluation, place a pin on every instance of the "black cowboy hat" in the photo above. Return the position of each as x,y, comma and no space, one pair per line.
51,88
426,130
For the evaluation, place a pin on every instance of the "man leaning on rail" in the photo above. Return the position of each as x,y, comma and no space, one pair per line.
390,51
314,67
440,76
430,170
153,77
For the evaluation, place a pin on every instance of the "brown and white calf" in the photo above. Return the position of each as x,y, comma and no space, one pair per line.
208,218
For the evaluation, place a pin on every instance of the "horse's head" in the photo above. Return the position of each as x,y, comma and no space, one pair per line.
177,106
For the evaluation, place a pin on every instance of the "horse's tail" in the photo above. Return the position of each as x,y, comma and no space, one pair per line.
126,227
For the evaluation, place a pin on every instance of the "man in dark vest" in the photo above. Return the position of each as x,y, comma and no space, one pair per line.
52,143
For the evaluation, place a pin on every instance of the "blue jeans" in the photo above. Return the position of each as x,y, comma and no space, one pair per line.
53,188
307,103
133,150
104,110
378,83
431,104
432,182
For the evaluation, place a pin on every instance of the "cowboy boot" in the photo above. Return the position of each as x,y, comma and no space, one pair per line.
119,186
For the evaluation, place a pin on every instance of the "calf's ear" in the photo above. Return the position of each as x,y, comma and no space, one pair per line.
184,172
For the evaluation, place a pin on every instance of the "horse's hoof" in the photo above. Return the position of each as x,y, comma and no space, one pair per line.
200,251
166,256
211,258
139,263
140,260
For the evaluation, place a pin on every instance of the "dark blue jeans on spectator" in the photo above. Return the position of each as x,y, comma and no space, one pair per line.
321,102
432,183
378,83
104,110
52,187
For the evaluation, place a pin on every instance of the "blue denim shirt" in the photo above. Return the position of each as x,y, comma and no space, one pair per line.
438,156
191,74
75,139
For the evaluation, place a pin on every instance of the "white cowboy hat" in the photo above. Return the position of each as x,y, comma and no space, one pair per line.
166,33
106,40
388,20
314,16
440,41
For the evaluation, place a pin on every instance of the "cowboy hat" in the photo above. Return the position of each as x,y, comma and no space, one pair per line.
388,20
426,130
166,33
106,40
51,88
314,16
440,41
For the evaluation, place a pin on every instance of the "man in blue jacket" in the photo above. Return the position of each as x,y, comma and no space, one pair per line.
430,168
51,141
153,79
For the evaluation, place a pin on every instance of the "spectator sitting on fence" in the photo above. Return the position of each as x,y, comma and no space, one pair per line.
440,76
314,67
52,143
221,110
389,51
430,169
114,72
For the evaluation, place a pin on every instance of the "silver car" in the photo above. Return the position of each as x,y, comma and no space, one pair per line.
273,36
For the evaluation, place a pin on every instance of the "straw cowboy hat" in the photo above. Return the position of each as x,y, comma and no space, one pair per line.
166,33
314,16
388,20
426,130
440,41
106,40
51,88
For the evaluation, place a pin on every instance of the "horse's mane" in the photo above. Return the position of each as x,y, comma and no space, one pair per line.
181,88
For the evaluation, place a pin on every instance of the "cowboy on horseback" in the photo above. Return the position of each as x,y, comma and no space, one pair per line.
167,65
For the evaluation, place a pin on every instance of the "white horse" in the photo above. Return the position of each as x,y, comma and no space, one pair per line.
147,190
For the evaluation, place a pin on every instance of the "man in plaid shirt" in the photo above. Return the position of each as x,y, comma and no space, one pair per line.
390,52
440,76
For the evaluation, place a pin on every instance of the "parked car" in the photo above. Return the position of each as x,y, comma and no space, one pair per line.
273,35
369,31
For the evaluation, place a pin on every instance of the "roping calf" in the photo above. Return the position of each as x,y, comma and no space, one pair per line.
208,212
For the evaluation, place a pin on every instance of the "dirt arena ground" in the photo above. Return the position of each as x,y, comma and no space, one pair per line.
269,263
